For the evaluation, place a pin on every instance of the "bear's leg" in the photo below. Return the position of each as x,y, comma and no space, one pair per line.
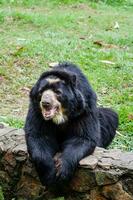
108,125
74,150
42,151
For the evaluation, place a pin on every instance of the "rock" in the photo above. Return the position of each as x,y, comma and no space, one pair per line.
96,195
105,163
20,155
8,161
29,188
115,154
4,178
127,183
104,175
98,153
83,180
126,158
99,150
89,162
116,192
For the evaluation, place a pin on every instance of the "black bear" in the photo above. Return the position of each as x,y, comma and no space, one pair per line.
64,124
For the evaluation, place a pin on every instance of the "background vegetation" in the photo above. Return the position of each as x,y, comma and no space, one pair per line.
96,35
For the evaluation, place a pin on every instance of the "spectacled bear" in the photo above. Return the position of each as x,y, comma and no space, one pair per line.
63,118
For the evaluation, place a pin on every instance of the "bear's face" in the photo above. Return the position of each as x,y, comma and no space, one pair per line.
54,100
58,98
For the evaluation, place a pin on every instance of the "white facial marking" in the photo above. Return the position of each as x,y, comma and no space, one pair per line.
53,80
59,118
56,115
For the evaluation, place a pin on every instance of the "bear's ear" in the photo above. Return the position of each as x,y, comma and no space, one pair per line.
38,85
74,80
37,88
34,91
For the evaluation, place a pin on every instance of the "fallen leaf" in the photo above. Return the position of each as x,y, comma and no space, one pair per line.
108,29
104,90
21,39
25,90
19,50
118,133
116,26
53,64
3,125
130,117
107,62
105,45
1,78
98,42
82,38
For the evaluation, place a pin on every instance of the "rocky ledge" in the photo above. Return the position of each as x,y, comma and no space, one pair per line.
104,175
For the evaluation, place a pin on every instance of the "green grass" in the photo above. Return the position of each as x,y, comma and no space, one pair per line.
35,33
1,194
11,121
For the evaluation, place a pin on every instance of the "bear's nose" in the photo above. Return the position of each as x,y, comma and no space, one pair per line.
46,105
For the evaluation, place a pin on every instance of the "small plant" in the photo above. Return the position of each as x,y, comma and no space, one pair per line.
13,122
116,2
1,194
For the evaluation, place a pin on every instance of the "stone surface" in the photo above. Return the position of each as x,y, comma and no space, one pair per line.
89,162
105,163
116,192
83,181
104,175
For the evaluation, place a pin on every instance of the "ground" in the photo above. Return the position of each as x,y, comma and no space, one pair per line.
96,36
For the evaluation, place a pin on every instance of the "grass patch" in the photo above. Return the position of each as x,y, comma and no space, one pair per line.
13,122
35,33
1,194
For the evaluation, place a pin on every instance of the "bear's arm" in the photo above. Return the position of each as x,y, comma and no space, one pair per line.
41,148
81,143
75,149
41,153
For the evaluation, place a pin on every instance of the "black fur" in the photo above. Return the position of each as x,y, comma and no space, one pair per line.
86,128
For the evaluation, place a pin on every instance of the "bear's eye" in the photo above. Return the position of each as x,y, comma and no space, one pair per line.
58,92
39,95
